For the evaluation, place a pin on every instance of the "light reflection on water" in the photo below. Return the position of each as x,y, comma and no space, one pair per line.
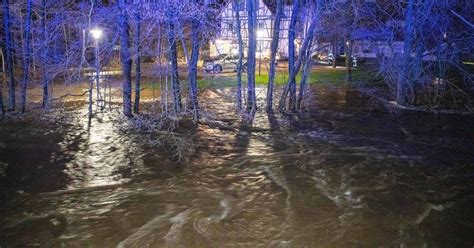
332,177
99,154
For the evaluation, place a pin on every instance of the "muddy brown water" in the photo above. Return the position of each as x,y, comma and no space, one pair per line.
341,174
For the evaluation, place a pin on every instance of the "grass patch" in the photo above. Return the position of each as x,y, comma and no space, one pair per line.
318,75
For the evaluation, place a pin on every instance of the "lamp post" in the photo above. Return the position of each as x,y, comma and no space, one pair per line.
260,35
349,60
97,34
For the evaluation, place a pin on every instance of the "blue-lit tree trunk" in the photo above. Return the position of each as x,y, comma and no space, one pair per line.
26,56
136,104
173,57
291,54
407,48
192,71
44,55
240,42
9,56
303,49
274,47
291,85
308,62
252,44
125,59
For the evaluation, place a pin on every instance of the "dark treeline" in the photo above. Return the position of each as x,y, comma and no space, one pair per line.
425,46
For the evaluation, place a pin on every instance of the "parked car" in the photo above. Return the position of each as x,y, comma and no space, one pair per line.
223,62
340,60
320,57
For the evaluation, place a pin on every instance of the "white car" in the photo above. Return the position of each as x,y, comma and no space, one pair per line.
223,62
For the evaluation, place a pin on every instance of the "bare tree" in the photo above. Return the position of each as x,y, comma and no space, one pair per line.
307,41
125,59
463,19
9,55
252,44
274,47
137,39
424,64
44,55
407,48
173,57
196,42
292,30
26,55
307,64
241,53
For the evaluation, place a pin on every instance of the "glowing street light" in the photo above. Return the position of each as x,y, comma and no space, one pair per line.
96,33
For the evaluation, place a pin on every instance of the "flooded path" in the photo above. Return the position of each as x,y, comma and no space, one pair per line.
341,174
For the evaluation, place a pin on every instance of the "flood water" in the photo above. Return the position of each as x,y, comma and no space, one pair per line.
341,174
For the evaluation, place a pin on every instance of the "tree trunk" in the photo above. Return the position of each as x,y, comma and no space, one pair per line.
407,48
308,62
26,56
174,65
274,47
9,56
252,44
2,109
241,54
334,51
44,55
417,73
136,105
296,68
193,69
291,53
85,38
125,59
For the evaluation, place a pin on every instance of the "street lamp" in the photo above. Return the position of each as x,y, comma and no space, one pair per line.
260,36
97,33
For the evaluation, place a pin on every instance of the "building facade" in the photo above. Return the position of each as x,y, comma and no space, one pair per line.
226,41
367,45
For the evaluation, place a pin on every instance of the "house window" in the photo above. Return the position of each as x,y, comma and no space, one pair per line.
230,27
239,6
261,25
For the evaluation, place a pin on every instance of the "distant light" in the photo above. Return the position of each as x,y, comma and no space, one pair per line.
445,35
260,33
348,42
96,33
